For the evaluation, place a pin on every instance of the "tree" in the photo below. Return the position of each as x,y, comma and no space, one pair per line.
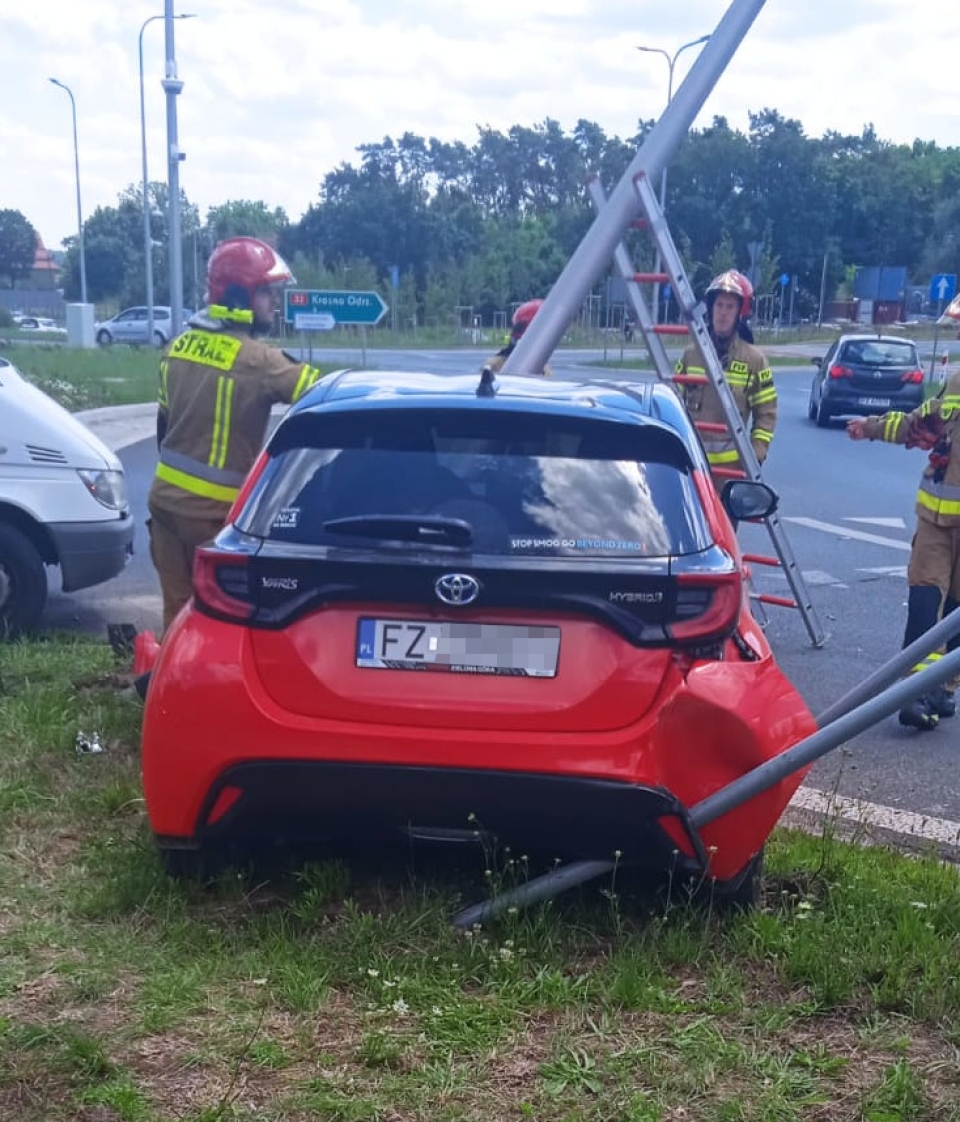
244,218
18,246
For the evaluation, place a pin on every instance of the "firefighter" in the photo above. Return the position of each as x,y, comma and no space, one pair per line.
522,318
933,571
217,385
745,370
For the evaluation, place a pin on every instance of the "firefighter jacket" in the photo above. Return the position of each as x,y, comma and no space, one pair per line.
933,426
751,382
495,363
217,386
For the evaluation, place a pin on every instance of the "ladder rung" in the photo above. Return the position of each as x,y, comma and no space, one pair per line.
782,601
717,428
690,379
759,559
651,278
639,224
728,473
671,329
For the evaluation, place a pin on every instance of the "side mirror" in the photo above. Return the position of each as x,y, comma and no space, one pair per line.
748,499
817,362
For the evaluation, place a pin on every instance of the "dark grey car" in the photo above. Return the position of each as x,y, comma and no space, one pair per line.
866,375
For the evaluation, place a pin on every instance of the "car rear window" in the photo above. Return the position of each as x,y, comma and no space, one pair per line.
874,352
526,485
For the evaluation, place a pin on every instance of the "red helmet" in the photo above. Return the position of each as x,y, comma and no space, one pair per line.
747,287
238,267
734,283
523,315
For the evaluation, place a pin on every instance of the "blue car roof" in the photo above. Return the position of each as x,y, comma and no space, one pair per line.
630,402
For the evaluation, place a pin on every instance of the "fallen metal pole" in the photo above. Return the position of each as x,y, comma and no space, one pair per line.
905,660
595,251
540,888
839,730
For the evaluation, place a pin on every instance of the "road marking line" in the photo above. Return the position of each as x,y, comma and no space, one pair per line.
888,523
857,812
887,571
846,532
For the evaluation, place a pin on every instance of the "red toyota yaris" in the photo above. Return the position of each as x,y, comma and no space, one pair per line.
444,605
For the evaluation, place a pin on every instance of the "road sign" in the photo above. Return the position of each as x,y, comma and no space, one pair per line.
943,287
314,321
666,291
784,280
345,307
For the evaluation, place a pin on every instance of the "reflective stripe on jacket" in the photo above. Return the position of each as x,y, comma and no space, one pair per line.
750,380
216,391
938,497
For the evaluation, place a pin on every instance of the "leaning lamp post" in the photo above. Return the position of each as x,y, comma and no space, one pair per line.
671,63
147,239
76,164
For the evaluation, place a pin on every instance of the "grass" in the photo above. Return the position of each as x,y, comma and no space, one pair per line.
340,991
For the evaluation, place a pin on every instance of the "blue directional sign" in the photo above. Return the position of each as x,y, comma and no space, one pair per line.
943,288
344,307
784,280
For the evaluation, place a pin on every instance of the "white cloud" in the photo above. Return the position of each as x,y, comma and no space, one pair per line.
276,95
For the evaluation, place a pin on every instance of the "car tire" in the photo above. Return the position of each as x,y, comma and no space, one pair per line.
158,339
183,864
823,416
739,894
23,583
812,407
104,338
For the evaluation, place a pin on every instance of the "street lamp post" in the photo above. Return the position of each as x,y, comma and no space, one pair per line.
76,164
147,239
671,63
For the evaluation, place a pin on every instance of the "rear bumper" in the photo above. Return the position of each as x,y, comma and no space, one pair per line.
552,816
866,402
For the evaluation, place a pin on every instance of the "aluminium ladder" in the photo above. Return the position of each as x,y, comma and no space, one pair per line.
695,327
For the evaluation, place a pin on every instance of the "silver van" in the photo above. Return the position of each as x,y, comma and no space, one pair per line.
63,502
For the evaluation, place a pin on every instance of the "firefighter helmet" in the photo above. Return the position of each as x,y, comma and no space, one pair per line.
733,283
523,315
238,267
747,288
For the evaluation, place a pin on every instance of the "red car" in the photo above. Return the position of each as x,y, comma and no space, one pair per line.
445,605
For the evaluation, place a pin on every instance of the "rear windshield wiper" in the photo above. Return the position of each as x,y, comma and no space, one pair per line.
420,528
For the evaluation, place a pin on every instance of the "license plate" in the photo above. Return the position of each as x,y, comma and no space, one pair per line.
458,648
875,402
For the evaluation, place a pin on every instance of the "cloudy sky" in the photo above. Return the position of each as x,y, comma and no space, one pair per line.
278,92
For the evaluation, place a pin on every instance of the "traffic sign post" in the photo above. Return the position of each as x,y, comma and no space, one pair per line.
943,288
364,308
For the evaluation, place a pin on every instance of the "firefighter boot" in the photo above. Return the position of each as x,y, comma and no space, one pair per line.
920,714
942,701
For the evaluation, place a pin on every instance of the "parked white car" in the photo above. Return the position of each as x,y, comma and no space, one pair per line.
132,325
63,502
40,323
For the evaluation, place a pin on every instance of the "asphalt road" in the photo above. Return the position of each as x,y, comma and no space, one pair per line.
847,510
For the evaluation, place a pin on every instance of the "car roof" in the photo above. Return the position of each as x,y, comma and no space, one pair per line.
868,338
394,389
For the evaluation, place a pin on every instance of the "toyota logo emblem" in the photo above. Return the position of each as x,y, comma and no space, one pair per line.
457,589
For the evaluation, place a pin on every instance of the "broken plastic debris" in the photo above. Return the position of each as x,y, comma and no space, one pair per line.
88,744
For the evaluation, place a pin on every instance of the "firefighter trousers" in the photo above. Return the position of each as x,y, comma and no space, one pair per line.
933,574
173,539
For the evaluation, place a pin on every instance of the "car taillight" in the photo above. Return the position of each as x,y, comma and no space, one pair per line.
707,607
838,371
221,584
914,377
